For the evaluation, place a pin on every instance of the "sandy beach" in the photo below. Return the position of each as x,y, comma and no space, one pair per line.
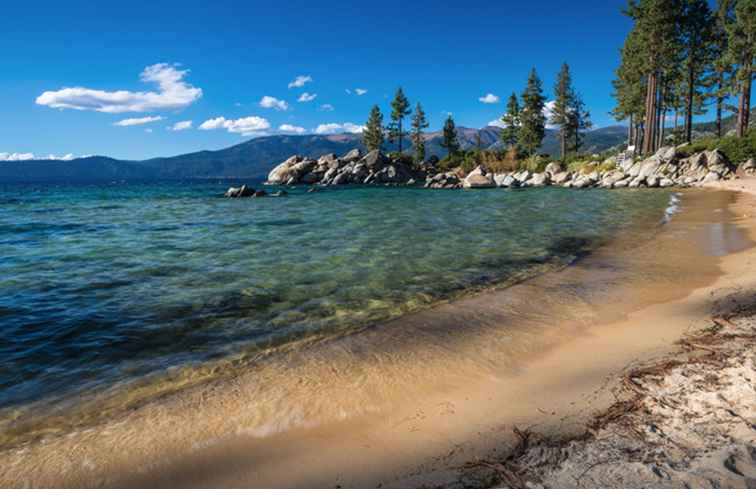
419,402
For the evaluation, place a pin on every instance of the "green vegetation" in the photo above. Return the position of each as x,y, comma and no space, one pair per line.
736,149
372,136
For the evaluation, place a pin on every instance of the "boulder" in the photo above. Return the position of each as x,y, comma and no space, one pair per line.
649,167
582,181
652,181
283,172
352,156
666,182
711,177
260,193
610,178
374,159
749,167
280,193
553,168
622,183
522,176
561,178
539,180
340,179
311,177
637,182
500,178
328,161
237,192
479,178
666,153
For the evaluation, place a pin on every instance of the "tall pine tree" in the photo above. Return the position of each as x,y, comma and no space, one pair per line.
372,136
449,137
579,121
563,105
697,41
742,49
630,89
399,109
511,120
719,80
656,34
419,122
532,120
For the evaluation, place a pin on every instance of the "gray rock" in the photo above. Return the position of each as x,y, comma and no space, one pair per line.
561,178
374,159
610,178
666,153
652,181
283,172
553,168
622,183
711,177
237,192
749,167
499,179
666,182
637,182
340,179
539,180
479,178
522,176
352,156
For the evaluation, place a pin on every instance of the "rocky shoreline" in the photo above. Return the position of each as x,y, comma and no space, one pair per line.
668,167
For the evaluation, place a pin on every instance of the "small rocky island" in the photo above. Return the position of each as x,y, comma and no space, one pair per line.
668,167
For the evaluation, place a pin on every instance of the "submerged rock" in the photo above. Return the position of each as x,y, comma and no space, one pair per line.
237,192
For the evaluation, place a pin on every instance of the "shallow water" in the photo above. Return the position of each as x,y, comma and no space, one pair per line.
110,283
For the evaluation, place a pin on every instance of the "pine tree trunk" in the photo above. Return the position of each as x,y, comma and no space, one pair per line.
657,129
689,104
720,101
563,144
744,107
630,132
648,135
400,136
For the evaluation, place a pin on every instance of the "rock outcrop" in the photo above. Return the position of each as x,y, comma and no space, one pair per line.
666,168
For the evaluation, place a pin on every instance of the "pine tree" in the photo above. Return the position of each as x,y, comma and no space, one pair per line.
656,36
372,136
532,120
719,80
630,89
419,122
511,120
579,121
696,41
742,49
563,104
449,140
399,109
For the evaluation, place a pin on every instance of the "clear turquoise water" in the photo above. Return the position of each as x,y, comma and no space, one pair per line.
105,283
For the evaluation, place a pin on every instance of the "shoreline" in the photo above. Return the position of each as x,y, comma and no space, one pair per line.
221,461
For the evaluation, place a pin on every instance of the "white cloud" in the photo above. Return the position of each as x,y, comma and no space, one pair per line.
268,102
137,121
292,128
496,123
360,91
326,108
548,111
181,126
349,92
246,126
148,130
333,128
307,97
174,93
300,81
32,156
489,98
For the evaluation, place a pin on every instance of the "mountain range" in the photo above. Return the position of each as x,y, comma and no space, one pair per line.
256,157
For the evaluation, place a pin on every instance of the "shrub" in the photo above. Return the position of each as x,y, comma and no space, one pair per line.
535,163
736,149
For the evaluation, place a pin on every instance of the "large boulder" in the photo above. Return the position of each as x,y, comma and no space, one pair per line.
282,173
610,178
479,178
553,168
561,178
539,180
352,156
749,167
374,159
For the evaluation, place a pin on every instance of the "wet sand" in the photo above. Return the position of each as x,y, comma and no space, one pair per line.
405,403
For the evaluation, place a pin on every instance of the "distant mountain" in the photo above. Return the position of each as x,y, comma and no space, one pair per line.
255,158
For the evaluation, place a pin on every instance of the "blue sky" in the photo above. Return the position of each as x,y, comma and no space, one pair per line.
74,71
